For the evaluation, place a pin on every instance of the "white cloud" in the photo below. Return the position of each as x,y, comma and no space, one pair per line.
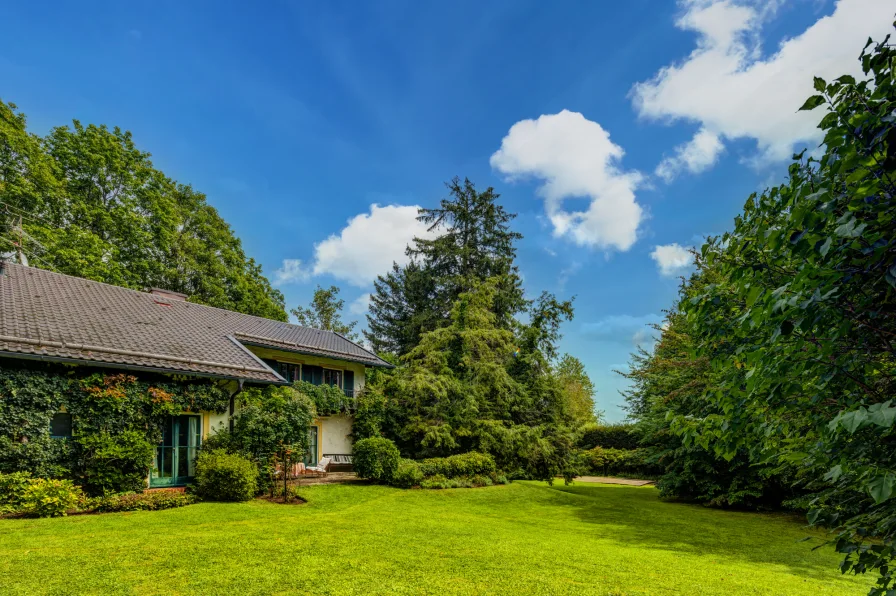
365,248
672,258
694,156
733,92
626,329
575,159
291,271
360,305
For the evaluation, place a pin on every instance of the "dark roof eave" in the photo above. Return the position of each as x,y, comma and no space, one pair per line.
134,367
276,346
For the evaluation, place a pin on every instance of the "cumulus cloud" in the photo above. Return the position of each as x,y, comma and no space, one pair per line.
574,158
363,249
694,156
733,91
291,271
625,329
672,258
360,305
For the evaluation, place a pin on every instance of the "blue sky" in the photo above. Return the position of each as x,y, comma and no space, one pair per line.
621,133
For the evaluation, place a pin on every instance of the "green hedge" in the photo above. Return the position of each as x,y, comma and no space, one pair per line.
376,459
609,436
455,466
115,463
145,501
222,476
620,462
408,474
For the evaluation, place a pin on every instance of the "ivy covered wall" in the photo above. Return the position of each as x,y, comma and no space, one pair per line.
116,420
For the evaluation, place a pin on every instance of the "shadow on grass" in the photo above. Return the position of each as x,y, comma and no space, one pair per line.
637,516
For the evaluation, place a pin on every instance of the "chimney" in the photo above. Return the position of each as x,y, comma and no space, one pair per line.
167,294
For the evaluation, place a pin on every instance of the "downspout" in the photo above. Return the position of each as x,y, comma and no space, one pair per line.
233,403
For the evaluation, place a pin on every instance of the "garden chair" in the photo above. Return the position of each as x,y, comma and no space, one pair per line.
320,469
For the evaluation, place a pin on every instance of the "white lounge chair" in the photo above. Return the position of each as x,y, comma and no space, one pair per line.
320,469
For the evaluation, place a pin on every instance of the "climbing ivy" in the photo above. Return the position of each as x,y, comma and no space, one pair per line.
123,411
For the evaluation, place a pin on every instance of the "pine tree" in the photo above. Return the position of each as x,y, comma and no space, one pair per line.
475,243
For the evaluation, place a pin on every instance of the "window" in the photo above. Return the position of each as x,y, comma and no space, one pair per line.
175,460
61,426
290,372
311,455
333,377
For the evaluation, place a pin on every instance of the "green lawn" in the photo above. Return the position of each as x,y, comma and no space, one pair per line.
521,538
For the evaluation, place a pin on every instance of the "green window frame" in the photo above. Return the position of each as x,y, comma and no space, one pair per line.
174,463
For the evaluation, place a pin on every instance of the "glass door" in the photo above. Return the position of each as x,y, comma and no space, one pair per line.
311,456
175,459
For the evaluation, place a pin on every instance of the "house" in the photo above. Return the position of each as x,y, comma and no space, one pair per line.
57,318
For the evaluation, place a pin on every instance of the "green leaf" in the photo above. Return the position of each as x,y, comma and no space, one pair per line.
812,103
753,294
881,487
848,229
819,84
882,414
825,247
834,473
854,420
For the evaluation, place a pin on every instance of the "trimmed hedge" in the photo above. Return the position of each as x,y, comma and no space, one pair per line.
613,462
376,459
146,501
455,466
222,476
609,436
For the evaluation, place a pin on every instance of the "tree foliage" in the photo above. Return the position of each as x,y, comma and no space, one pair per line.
577,388
93,205
474,243
325,312
778,361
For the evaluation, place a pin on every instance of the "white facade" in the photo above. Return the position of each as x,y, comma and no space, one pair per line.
335,435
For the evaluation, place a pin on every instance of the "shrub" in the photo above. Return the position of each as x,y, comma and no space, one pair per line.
408,474
222,476
464,464
437,481
45,497
145,501
480,480
609,436
115,463
12,491
375,459
270,422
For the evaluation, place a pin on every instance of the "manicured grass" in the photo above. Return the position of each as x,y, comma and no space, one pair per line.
523,538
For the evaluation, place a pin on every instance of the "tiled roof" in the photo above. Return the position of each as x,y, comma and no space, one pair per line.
59,317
